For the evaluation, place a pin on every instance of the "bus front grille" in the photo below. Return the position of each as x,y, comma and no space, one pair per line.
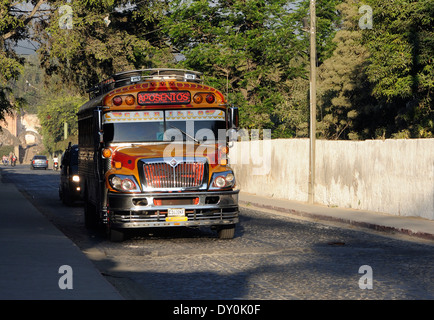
173,174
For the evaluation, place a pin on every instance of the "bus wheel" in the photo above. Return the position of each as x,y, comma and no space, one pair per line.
67,199
226,232
90,218
115,235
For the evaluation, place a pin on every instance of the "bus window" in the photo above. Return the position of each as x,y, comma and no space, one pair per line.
153,126
203,130
133,131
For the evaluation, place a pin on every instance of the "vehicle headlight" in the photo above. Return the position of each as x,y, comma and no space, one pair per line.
124,183
230,177
220,180
75,178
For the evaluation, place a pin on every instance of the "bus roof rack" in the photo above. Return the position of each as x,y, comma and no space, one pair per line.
137,76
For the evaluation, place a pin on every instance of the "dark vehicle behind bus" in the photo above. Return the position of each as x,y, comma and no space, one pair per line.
69,187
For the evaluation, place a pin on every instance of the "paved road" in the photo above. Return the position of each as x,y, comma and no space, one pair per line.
272,256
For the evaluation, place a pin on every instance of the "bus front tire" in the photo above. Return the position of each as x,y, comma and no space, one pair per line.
115,235
90,218
226,232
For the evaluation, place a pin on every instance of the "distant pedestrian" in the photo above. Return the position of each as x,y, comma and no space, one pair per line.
13,160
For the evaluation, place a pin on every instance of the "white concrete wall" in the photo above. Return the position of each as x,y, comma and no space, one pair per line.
391,176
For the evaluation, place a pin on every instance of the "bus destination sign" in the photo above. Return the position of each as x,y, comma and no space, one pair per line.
163,97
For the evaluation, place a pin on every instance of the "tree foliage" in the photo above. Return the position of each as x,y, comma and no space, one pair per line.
372,83
88,40
401,66
255,51
378,83
53,116
29,86
343,87
14,23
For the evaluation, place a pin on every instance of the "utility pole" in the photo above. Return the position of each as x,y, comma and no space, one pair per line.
312,96
65,130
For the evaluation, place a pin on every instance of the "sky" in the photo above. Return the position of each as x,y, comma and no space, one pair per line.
27,47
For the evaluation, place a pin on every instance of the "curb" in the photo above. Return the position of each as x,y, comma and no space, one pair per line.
341,219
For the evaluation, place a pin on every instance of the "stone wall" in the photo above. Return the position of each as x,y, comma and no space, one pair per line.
391,176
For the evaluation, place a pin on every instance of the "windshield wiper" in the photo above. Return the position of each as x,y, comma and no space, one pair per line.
185,133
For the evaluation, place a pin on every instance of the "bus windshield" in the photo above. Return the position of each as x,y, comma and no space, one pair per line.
168,125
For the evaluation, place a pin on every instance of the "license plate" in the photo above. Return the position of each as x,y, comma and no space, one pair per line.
176,214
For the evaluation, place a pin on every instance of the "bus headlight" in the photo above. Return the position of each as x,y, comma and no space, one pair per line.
220,180
124,183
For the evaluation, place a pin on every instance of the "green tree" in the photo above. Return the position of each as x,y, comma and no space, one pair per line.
379,81
54,115
14,26
91,39
343,90
328,20
247,49
29,86
254,51
401,66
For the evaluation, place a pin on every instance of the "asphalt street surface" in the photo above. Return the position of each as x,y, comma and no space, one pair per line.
272,257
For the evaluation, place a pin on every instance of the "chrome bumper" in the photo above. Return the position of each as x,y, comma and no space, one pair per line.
141,211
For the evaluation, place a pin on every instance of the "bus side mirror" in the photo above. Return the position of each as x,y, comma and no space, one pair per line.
232,136
233,118
97,116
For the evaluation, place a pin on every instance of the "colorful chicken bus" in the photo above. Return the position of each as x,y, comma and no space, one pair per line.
153,152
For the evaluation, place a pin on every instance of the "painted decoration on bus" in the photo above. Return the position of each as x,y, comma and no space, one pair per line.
182,115
133,116
163,97
170,115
